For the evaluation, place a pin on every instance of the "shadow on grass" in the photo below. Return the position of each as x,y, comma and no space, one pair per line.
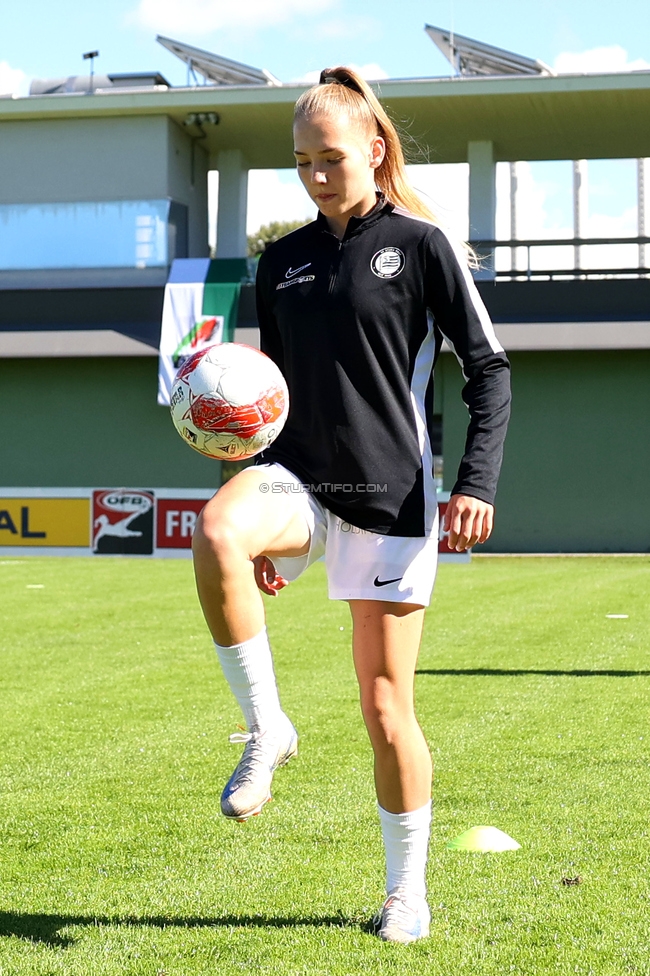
514,672
44,929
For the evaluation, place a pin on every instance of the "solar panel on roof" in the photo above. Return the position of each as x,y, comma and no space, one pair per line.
214,68
470,57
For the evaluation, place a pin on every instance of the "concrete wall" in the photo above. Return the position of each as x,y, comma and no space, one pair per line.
577,462
187,182
68,160
85,422
77,160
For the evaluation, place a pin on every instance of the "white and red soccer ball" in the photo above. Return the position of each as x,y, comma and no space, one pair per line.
229,401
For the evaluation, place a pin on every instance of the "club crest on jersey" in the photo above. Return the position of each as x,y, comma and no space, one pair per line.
388,262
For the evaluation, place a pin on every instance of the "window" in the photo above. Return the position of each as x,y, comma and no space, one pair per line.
112,234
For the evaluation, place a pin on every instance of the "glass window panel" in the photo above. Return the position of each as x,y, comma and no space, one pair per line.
444,188
612,191
114,234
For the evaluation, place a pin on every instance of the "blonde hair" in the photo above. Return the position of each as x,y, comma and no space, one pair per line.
343,90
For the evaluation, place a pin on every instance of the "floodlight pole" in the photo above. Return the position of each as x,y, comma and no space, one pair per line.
90,56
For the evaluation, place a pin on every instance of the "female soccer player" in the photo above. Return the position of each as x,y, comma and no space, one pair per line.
354,308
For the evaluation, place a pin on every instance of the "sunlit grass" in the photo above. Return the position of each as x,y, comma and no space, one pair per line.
115,721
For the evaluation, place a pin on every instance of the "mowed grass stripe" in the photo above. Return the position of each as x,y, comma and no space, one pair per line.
114,749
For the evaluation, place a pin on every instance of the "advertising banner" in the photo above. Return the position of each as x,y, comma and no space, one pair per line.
176,520
199,309
123,522
118,521
46,522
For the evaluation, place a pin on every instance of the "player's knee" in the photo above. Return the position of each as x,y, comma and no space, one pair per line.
385,710
217,537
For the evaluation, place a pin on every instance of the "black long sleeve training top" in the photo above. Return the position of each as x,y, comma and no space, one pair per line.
356,326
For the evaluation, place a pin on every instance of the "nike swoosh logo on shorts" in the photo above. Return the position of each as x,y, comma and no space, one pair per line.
291,272
379,582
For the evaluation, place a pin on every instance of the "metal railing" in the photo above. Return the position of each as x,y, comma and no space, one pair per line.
523,270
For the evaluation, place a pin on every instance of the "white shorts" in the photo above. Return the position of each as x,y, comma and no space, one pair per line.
360,565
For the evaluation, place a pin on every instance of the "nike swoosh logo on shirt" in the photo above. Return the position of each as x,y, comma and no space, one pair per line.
379,582
294,271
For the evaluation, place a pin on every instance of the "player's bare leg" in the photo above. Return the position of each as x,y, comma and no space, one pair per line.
240,527
241,522
386,640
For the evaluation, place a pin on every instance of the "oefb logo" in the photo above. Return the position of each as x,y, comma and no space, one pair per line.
388,262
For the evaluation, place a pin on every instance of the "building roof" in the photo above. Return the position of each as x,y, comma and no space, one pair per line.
526,117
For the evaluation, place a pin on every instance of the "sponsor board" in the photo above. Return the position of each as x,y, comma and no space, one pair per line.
176,521
100,521
118,521
49,522
123,522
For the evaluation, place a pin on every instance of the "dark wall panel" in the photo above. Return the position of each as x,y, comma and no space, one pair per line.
136,312
581,300
575,476
577,462
85,422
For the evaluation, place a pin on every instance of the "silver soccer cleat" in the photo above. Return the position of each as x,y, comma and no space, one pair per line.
403,918
249,787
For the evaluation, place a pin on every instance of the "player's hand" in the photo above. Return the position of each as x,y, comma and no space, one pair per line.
267,579
468,521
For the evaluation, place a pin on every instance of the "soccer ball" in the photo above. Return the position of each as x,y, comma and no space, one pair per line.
229,401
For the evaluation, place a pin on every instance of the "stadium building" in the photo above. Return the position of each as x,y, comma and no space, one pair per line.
104,184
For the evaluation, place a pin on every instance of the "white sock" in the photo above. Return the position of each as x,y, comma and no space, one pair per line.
248,669
406,841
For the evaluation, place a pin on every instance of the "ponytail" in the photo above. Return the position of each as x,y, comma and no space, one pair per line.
343,90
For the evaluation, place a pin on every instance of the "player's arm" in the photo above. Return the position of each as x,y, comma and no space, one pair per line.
270,339
463,319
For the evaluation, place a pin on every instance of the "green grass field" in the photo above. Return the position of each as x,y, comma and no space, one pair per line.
114,749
